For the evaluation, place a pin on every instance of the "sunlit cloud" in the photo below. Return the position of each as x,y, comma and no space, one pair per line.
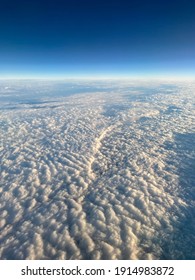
96,170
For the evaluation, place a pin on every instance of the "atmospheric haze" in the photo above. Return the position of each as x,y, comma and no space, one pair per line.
97,170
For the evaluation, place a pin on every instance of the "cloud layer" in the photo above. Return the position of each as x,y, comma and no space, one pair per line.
102,174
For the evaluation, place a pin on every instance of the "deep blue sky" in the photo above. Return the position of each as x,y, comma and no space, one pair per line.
95,37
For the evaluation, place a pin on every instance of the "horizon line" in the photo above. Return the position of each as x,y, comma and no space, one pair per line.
98,77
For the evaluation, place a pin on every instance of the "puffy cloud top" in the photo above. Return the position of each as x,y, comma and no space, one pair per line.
106,174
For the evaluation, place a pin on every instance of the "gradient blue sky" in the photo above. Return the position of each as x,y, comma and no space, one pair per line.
72,38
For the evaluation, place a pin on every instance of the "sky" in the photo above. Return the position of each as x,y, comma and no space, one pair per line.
83,38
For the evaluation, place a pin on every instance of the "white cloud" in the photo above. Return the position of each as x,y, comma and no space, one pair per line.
98,175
